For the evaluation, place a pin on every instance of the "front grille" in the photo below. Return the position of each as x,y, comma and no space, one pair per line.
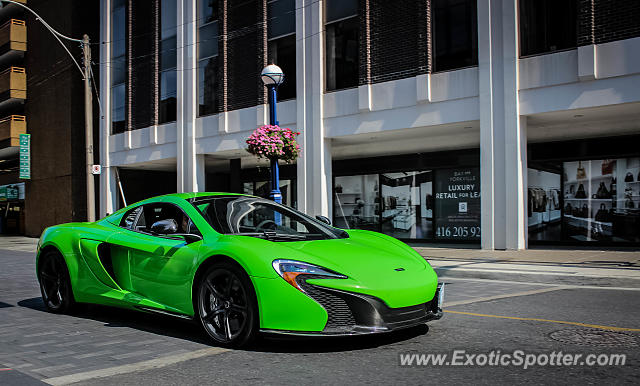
339,314
404,316
346,310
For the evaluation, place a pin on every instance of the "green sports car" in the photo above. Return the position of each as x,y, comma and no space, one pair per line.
239,265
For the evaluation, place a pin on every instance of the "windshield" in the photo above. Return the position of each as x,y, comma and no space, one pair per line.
252,216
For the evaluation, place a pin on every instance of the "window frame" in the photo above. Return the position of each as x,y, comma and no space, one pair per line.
434,22
192,226
173,68
324,42
200,82
116,62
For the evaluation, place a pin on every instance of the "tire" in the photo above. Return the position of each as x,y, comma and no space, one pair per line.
226,305
55,284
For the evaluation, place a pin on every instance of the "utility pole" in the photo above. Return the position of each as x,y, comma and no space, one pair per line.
88,122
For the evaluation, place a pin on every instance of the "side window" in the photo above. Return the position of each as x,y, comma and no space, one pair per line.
129,219
164,211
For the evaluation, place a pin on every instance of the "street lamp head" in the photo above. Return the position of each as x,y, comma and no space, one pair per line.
272,75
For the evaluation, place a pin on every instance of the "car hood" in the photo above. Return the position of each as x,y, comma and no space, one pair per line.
360,255
376,265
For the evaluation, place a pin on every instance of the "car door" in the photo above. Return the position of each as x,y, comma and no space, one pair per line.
157,268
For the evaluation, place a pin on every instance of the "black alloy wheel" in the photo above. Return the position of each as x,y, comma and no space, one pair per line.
227,305
55,284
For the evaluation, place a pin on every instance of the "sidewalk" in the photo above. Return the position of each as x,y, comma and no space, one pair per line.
18,243
612,268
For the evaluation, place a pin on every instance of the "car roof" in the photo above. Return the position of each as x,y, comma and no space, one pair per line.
190,195
115,217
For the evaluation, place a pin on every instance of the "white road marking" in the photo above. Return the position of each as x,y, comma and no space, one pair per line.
564,286
510,295
140,366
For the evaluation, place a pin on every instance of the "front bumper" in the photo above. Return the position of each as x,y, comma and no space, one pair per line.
352,313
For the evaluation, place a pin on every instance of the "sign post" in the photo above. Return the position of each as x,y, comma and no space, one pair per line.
25,156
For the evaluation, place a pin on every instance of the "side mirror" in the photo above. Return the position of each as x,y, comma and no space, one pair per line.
165,227
323,219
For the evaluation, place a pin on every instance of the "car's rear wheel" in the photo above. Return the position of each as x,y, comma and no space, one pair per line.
55,284
227,305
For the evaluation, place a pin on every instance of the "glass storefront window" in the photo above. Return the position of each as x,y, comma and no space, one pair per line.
601,200
357,202
288,190
544,205
407,204
398,204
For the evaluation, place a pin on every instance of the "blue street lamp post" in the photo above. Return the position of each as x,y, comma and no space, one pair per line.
272,76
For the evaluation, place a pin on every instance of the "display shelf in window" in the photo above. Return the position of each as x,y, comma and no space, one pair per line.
587,219
589,199
583,180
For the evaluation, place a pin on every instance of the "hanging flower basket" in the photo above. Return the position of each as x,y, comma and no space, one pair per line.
274,142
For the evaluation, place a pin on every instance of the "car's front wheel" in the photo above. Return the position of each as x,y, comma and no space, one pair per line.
55,284
227,305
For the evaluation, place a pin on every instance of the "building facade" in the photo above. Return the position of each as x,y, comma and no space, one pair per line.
13,94
497,122
41,94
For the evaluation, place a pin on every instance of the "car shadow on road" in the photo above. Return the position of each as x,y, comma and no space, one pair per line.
322,344
113,317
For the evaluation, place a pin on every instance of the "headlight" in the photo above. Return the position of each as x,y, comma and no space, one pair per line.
289,270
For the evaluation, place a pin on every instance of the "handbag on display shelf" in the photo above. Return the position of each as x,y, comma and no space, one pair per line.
629,203
568,209
580,193
628,177
603,215
602,191
585,211
607,166
613,188
581,174
581,212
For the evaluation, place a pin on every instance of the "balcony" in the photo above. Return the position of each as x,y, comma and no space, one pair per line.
13,87
13,41
10,129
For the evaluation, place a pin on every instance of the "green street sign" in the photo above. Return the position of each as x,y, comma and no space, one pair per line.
25,156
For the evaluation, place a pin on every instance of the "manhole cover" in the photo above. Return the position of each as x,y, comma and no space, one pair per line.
586,337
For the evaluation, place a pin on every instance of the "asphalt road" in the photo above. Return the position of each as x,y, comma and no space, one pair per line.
105,346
